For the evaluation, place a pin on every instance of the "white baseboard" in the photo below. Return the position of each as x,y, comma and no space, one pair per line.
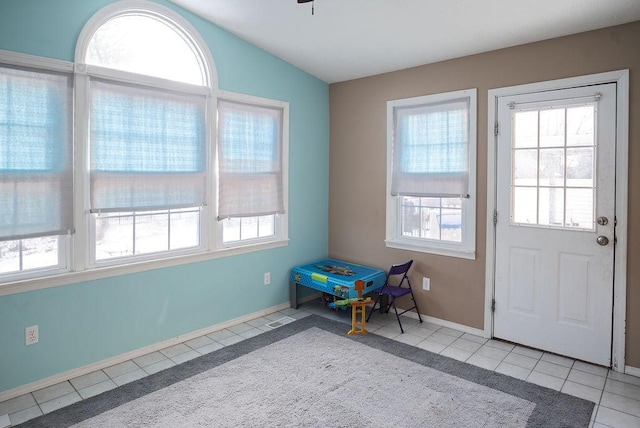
633,371
444,323
71,374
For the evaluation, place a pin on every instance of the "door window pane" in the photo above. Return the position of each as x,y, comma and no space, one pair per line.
580,126
580,206
580,167
525,167
525,129
551,206
552,128
551,167
525,205
553,176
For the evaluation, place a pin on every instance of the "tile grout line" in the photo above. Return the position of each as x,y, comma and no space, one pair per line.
37,404
618,395
595,416
564,382
388,324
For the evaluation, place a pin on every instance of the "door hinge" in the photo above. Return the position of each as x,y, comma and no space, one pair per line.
493,305
495,217
495,129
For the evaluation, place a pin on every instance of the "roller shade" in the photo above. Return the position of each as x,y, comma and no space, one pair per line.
431,150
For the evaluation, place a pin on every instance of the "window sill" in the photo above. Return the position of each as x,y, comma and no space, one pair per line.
430,249
68,278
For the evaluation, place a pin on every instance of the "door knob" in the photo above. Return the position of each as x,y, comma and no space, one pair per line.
602,240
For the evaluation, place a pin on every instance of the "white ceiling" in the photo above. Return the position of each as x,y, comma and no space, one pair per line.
348,39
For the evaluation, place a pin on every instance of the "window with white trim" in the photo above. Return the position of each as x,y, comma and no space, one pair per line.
36,171
431,147
251,184
132,176
147,138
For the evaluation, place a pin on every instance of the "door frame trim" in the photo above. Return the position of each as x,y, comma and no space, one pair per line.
621,78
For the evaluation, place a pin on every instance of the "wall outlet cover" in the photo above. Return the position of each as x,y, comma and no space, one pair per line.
31,335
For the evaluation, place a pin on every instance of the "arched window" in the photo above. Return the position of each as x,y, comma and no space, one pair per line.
148,80
145,43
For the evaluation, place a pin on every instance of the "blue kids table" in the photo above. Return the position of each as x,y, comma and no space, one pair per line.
334,277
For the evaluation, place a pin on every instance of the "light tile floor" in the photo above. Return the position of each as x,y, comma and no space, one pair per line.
617,396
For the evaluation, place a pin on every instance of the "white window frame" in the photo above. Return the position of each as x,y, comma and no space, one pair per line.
465,249
65,242
281,235
85,72
76,247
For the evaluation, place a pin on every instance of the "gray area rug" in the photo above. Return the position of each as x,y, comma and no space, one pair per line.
309,374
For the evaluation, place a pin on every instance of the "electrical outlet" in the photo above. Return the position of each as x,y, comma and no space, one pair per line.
267,278
31,336
426,283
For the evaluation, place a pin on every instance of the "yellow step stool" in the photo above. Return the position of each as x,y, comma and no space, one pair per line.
358,307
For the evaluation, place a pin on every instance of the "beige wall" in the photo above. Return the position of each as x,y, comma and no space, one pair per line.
358,161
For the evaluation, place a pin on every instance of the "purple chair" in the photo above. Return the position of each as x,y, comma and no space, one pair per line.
392,292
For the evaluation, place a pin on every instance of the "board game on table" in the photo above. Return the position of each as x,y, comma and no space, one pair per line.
334,277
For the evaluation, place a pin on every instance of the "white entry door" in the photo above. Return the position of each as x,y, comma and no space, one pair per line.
555,221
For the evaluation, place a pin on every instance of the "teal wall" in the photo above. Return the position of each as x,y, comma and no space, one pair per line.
87,322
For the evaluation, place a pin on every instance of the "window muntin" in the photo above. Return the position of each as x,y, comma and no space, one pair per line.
240,229
431,143
147,44
20,258
553,167
127,234
438,219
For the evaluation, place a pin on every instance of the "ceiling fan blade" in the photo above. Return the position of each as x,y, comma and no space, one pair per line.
304,1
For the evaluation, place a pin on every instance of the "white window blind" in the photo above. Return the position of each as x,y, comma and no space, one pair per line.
431,149
147,148
36,153
249,160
